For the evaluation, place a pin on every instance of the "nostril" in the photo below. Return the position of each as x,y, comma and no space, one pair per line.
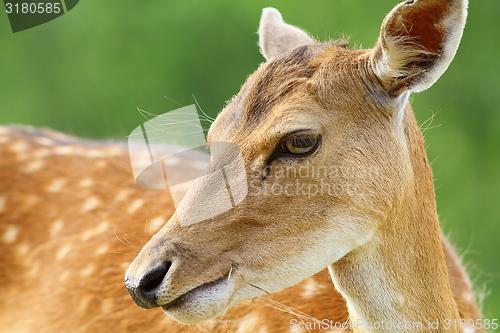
144,292
152,279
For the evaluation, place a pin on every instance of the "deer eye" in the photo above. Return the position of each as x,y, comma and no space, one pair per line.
299,145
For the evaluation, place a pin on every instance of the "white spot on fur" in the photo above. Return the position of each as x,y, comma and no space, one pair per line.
103,249
100,229
87,271
56,227
90,204
3,202
64,275
469,330
4,130
63,252
114,151
123,194
10,235
103,226
124,266
86,235
34,166
45,141
93,153
311,288
63,150
20,147
87,182
100,164
155,224
56,185
135,205
42,152
251,323
23,249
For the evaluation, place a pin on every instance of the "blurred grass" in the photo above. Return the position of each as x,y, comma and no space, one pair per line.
87,72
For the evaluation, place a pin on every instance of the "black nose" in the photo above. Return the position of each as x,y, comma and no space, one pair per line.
144,290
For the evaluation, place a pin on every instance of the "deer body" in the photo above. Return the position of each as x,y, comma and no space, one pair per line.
71,219
315,106
364,208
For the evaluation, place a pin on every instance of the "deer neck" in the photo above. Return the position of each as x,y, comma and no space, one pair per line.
399,277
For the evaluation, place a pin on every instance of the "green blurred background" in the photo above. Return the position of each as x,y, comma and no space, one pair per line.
87,72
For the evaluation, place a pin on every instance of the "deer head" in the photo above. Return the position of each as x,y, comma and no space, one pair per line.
334,175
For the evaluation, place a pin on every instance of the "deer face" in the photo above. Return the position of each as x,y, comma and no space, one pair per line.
320,132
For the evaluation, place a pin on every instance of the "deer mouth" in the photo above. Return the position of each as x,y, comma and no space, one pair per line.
201,303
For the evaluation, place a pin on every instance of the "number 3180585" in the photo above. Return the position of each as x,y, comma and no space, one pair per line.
33,8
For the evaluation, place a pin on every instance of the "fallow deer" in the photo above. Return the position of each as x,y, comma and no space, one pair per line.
72,220
363,206
71,215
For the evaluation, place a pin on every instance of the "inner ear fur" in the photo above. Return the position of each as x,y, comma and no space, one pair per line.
417,42
277,37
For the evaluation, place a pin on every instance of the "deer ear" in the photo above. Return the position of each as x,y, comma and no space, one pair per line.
277,37
417,42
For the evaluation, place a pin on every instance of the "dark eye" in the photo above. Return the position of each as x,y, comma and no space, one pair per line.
299,145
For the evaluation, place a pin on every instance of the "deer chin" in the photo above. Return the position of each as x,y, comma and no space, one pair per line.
206,301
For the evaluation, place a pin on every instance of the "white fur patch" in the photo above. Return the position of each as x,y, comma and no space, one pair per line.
63,150
87,182
103,249
56,227
156,223
10,235
56,185
134,206
311,288
45,141
23,249
20,147
251,323
123,194
90,204
63,252
34,166
100,229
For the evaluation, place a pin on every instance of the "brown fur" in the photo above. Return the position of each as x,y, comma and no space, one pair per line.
47,286
44,294
379,235
62,263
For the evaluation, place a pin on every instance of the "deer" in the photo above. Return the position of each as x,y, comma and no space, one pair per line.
72,219
372,222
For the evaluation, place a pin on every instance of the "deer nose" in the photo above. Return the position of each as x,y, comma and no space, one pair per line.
144,290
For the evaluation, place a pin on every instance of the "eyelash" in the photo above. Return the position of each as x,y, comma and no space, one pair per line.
298,141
